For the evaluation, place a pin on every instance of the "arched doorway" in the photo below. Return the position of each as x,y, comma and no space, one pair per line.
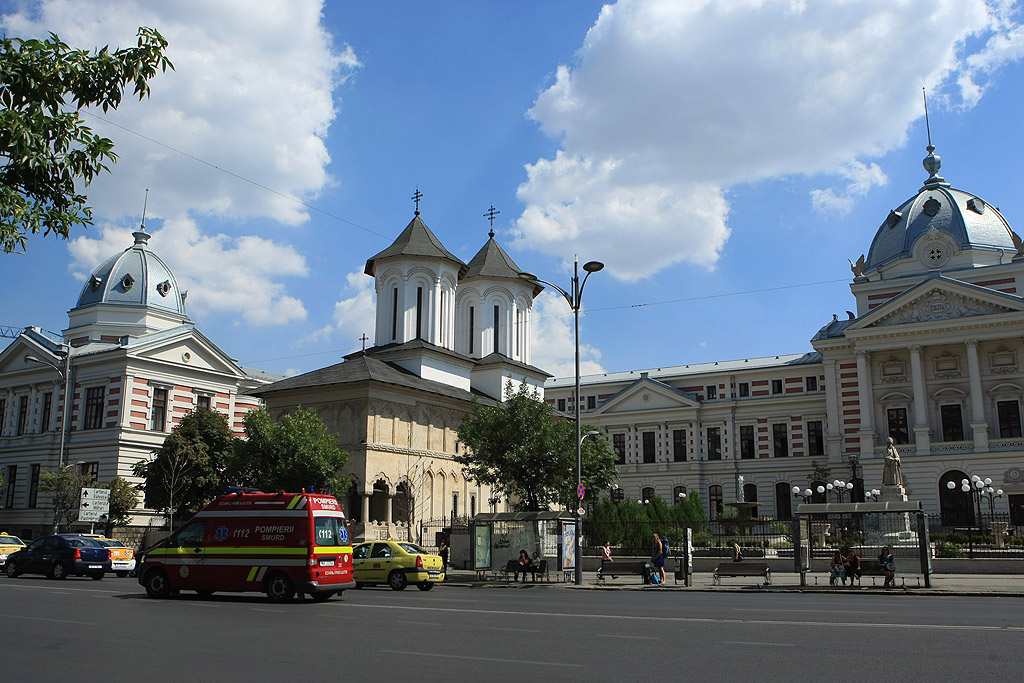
783,501
678,495
379,502
646,494
715,501
354,502
750,496
955,506
401,507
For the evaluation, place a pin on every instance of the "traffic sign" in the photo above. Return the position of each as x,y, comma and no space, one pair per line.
581,512
580,491
94,505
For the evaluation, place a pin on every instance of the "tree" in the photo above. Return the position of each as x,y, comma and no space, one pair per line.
123,499
187,470
525,454
45,149
293,453
65,486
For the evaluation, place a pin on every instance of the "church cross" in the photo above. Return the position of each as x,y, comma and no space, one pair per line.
491,213
416,198
364,339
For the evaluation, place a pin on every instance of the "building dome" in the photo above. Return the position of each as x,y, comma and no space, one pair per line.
959,220
136,277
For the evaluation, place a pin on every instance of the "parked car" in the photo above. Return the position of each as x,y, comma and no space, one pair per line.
122,558
8,546
397,564
59,555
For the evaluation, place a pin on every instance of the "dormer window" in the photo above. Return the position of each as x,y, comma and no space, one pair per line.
95,282
127,281
164,287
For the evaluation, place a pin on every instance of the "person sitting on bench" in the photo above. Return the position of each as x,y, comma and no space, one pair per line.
888,563
838,570
852,566
523,566
534,566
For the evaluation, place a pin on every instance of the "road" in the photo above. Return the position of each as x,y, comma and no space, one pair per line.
106,630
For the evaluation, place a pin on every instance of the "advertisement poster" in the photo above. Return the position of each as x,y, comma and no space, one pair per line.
568,545
482,546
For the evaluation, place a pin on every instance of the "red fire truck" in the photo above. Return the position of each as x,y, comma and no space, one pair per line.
246,540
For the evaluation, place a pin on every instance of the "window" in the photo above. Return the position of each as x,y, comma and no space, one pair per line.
678,495
618,495
750,496
90,471
951,416
780,440
747,450
561,405
203,401
158,416
679,445
648,444
812,384
776,386
744,389
22,414
714,501
1009,419
455,504
783,502
44,422
189,536
897,420
710,392
472,505
619,446
12,479
33,486
647,494
394,316
3,414
472,316
591,402
419,313
815,438
715,444
93,408
497,327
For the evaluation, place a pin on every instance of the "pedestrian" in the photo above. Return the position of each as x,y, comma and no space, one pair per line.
523,566
737,554
888,563
658,558
444,552
606,556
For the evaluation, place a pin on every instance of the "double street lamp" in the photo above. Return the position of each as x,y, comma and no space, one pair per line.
65,374
573,297
978,488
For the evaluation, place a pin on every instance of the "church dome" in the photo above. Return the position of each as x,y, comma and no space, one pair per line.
135,277
946,215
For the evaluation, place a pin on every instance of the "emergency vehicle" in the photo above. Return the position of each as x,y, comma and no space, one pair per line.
247,540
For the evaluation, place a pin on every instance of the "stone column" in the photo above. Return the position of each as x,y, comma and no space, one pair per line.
867,405
978,424
366,508
833,412
921,437
388,508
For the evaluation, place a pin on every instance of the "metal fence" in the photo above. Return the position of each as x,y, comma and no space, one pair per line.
975,536
757,537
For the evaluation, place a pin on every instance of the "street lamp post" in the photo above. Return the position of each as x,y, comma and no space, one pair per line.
65,374
977,488
574,300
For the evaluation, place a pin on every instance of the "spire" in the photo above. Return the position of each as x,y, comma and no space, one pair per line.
491,213
416,197
933,162
141,236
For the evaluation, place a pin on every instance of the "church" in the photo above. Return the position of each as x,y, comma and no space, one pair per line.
446,333
931,359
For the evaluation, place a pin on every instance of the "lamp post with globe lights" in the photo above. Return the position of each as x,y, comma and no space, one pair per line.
574,299
64,370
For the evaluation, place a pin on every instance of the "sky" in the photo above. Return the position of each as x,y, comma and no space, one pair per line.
723,158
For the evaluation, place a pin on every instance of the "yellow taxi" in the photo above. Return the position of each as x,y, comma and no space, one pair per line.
122,558
8,546
397,564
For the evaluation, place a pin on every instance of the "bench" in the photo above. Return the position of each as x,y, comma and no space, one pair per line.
872,568
512,568
736,569
624,568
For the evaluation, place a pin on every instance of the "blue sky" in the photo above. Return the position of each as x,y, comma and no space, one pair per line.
724,159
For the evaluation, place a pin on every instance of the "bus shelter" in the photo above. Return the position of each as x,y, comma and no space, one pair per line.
497,537
822,528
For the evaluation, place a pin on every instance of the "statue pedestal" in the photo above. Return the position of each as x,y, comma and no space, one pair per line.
893,494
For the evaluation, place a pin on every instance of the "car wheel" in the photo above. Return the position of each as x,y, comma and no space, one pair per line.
279,588
12,570
204,593
122,575
321,596
157,585
97,577
425,586
397,580
58,571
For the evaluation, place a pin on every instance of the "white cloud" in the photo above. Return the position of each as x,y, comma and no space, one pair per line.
554,341
669,104
839,201
354,315
251,93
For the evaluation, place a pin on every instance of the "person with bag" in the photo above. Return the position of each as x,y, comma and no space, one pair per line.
737,554
606,557
658,558
838,571
888,563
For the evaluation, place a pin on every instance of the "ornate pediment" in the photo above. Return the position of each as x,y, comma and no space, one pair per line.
940,305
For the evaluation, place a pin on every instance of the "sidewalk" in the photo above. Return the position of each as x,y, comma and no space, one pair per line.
1006,585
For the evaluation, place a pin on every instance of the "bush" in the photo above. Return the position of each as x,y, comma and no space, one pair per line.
948,549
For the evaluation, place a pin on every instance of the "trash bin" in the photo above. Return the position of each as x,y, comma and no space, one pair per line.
648,570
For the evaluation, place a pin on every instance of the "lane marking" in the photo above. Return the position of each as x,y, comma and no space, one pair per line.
58,621
752,642
617,635
514,630
709,620
271,611
524,662
812,611
419,623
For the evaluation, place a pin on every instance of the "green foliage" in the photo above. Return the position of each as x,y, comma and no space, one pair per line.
64,487
290,454
527,455
123,499
819,474
948,549
630,525
45,148
186,472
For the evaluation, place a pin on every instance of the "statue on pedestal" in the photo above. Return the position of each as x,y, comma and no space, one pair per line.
739,488
891,473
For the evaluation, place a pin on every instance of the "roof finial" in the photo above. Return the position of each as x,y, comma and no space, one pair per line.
932,162
141,236
491,213
416,198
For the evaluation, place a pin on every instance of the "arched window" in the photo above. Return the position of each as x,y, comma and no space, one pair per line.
783,501
714,501
647,494
955,506
678,495
618,495
750,496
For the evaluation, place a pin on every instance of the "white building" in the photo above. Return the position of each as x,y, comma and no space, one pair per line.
136,364
933,357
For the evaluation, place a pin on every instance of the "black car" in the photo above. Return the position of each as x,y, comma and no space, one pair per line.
59,555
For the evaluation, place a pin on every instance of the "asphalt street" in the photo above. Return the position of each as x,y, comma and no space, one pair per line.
99,631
